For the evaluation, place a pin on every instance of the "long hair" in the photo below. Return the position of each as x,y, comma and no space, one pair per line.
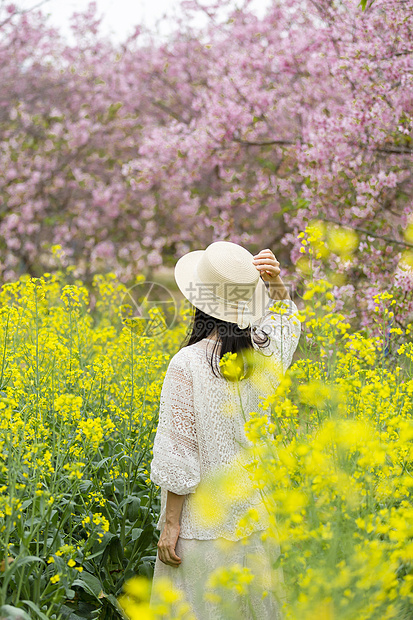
232,338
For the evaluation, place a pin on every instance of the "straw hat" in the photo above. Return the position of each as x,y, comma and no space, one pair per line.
223,282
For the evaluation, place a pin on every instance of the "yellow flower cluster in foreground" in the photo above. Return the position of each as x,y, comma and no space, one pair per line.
79,397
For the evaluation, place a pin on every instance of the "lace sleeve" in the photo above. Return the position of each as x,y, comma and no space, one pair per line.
282,326
175,465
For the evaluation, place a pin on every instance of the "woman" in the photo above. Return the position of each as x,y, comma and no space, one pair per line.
196,438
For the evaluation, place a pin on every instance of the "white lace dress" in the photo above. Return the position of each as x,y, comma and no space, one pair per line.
201,432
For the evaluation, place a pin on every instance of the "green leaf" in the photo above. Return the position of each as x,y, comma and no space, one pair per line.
18,562
363,4
101,546
36,610
68,614
85,485
113,109
115,550
133,508
12,613
103,461
113,601
146,568
145,538
136,532
90,584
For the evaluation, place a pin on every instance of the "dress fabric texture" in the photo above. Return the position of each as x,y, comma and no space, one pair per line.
201,432
201,557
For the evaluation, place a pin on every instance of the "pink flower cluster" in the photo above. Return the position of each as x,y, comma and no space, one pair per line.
245,130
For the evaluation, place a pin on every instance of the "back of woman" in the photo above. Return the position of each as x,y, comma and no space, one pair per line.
200,436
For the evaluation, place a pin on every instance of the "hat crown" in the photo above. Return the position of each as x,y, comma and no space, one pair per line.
223,282
226,265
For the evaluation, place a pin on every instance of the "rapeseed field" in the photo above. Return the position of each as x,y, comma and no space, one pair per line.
79,395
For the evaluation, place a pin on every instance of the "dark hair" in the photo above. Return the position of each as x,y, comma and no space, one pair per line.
233,339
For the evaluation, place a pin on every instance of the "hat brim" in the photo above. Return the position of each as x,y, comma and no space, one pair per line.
194,291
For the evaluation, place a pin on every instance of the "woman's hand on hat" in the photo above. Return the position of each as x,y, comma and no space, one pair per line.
269,268
267,265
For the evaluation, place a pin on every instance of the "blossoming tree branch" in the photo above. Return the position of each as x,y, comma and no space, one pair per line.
247,129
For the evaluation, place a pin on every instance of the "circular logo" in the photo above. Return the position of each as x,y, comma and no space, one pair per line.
148,309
